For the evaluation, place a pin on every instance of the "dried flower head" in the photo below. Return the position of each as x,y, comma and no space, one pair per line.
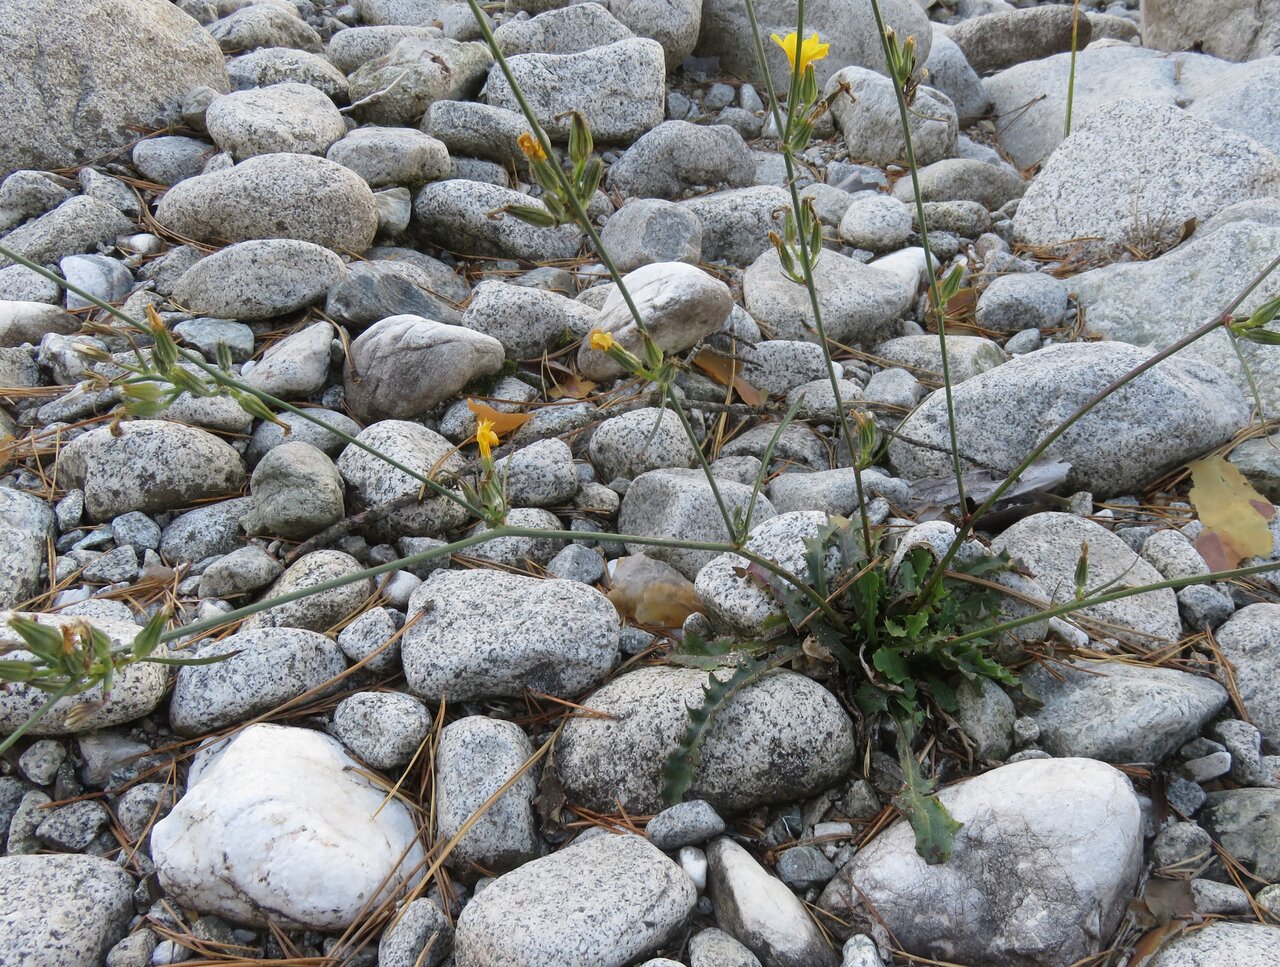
531,147
601,341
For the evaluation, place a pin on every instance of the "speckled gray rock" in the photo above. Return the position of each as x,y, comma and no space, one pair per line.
62,910
262,25
26,525
565,30
26,194
520,552
761,912
619,89
677,156
384,729
950,73
420,936
1023,300
624,896
137,689
967,356
1220,944
858,302
832,491
684,824
878,223
405,365
273,665
267,436
713,947
259,279
278,65
274,196
80,224
374,481
1120,713
244,570
999,40
297,492
1175,411
415,73
964,179
651,230
150,465
986,714
777,366
1235,30
474,130
319,611
1049,545
741,603
1248,641
170,159
455,214
205,532
1066,832
392,286
870,125
777,739
736,222
541,474
639,441
851,31
680,504
1246,823
1197,279
1140,174
296,366
475,756
392,156
287,117
527,321
558,637
118,68
678,303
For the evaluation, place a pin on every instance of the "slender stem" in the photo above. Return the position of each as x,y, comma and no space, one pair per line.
806,265
36,716
1071,80
222,379
967,520
1067,607
198,628
584,223
935,295
704,464
758,483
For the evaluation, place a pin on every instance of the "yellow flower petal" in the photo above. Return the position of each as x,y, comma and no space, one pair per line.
601,341
812,50
788,45
809,50
486,439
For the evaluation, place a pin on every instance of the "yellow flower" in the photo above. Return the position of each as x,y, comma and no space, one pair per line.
531,147
601,341
810,50
486,438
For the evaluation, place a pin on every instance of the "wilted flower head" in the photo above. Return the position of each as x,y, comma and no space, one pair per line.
601,341
531,147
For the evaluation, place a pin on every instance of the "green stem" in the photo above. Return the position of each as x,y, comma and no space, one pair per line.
1075,605
222,379
584,223
967,520
36,716
806,265
934,295
1071,80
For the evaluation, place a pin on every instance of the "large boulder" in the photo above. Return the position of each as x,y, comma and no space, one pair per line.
80,77
1042,869
1118,183
1190,285
1170,414
1232,29
26,526
849,26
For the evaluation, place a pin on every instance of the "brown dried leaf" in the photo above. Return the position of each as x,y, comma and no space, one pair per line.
573,388
1234,515
724,370
652,592
503,423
